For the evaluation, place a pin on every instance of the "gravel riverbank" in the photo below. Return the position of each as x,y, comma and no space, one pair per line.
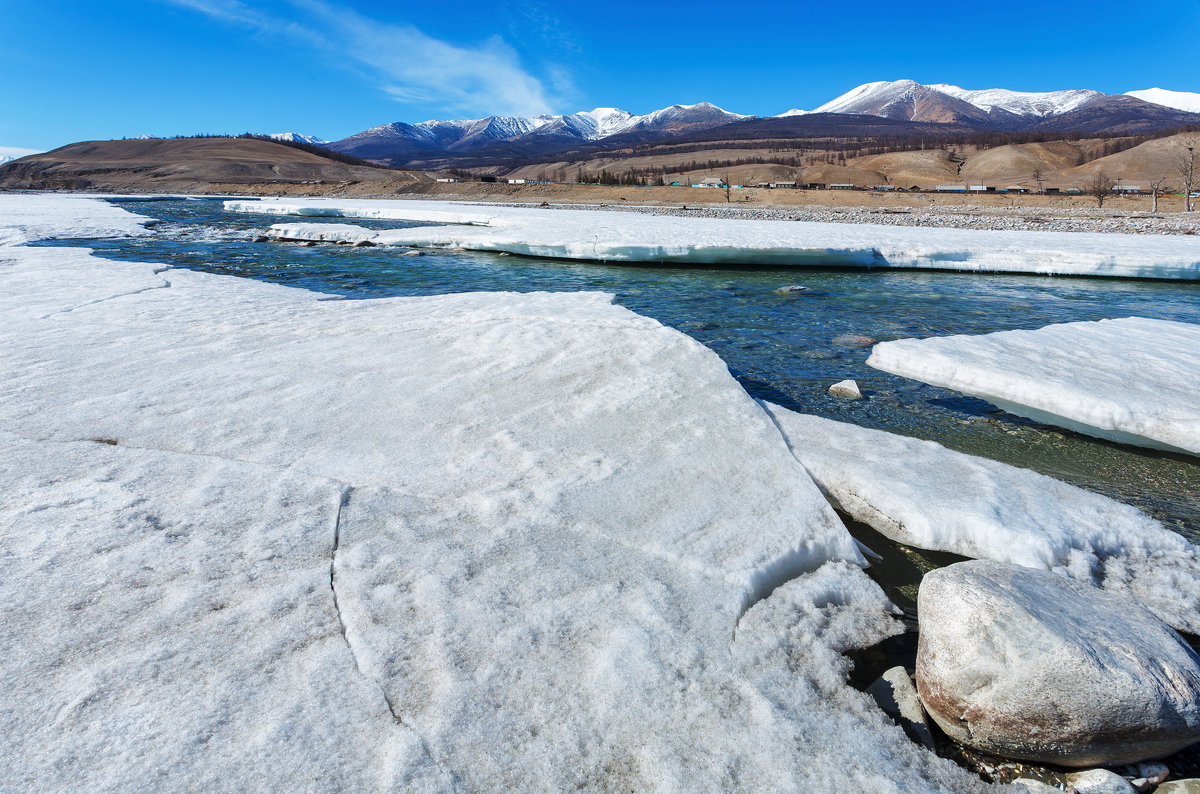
991,218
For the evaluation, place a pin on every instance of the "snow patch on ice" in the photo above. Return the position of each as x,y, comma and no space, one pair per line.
921,494
1130,380
624,237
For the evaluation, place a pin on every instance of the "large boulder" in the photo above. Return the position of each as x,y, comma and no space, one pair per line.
1028,664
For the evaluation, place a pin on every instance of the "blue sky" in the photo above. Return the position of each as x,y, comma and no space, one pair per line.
120,68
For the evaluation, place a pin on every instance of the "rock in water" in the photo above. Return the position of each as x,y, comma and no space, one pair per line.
846,388
895,694
1028,664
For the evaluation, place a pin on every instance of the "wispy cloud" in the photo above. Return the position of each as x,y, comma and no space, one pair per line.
409,65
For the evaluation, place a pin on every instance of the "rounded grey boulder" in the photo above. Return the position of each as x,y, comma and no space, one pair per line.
1027,664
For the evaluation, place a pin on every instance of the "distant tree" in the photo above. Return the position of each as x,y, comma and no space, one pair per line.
1156,188
728,187
1099,187
1188,168
1038,176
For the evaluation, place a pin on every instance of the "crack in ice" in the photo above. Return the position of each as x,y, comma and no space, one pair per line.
343,500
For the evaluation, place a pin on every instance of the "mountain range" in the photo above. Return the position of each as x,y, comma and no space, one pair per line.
914,108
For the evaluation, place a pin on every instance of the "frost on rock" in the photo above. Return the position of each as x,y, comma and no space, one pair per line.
492,541
921,494
610,236
1131,380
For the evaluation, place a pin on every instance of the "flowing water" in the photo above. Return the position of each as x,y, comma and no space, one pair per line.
786,348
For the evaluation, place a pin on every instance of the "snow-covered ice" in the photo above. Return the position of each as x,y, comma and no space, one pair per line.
634,237
258,538
1131,380
921,494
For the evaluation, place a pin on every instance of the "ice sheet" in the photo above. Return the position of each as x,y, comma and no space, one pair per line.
921,494
635,237
1131,380
541,520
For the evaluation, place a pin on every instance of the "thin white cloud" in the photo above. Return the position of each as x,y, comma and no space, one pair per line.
409,65
17,151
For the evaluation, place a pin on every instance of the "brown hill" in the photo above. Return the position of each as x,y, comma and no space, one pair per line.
184,165
906,169
1142,164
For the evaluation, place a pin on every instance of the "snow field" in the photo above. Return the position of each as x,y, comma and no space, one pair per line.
476,541
1130,380
634,237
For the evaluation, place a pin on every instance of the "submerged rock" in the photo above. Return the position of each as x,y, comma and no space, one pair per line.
791,289
846,388
854,340
1031,665
1153,773
1189,786
413,253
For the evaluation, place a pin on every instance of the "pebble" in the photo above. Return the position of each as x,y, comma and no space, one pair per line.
1099,781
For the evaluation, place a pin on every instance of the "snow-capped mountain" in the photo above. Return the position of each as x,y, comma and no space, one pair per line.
389,141
296,137
5,158
505,139
908,99
1180,100
1022,103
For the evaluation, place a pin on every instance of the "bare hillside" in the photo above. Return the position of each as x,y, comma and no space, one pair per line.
184,165
1142,164
906,169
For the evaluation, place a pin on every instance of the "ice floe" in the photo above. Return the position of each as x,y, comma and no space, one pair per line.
921,494
255,537
1131,380
636,237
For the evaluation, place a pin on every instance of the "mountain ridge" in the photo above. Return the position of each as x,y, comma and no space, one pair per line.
468,141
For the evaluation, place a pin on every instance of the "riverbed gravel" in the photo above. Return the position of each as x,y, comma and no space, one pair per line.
995,219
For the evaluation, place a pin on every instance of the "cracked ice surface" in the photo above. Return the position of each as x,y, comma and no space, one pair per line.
921,494
168,625
636,237
1131,380
573,550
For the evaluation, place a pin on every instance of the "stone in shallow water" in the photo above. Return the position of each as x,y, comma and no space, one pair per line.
846,388
1189,786
1028,664
896,695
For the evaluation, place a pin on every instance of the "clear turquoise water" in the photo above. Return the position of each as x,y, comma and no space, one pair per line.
784,348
